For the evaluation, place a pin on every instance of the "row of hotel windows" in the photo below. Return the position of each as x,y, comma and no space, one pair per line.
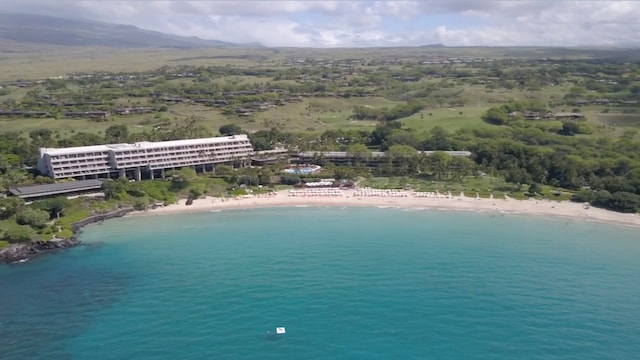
174,160
186,147
84,162
169,162
156,158
148,152
181,150
81,155
66,172
82,167
55,160
184,163
178,153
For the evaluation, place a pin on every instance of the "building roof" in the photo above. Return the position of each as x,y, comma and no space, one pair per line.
75,150
568,114
55,189
139,145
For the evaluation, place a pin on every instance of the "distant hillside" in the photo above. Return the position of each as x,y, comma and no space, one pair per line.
38,29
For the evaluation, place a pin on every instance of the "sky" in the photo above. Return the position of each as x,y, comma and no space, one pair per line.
364,23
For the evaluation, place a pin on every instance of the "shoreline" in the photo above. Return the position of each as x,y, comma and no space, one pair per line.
23,252
398,199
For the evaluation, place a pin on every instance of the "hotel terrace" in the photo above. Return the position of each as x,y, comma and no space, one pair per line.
148,159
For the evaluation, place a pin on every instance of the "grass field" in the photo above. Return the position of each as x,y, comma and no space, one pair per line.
449,119
41,61
453,104
614,123
309,115
317,114
56,61
70,126
314,115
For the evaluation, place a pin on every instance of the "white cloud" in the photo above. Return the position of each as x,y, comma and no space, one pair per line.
368,23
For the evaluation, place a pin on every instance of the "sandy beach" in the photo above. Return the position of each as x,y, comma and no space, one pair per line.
400,199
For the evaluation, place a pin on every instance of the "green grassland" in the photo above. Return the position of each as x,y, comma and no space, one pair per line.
449,119
452,103
29,62
58,61
311,114
316,114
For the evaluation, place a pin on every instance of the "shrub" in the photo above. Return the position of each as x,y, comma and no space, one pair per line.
32,217
583,196
18,234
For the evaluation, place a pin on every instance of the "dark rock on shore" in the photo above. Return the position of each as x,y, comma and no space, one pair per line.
22,252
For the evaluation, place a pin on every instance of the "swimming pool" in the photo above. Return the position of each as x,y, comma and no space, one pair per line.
303,169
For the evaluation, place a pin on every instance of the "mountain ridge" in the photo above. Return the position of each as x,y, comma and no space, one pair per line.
51,30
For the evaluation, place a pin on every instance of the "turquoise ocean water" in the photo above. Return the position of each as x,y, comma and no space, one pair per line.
346,284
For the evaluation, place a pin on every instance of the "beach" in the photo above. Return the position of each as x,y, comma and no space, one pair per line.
400,199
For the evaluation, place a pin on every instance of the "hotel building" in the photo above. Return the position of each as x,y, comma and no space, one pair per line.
150,159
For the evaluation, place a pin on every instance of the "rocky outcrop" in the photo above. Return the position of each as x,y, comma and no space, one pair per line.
76,226
22,252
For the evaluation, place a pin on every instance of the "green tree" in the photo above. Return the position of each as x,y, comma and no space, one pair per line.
495,116
517,176
43,180
583,196
230,129
187,173
625,202
359,152
115,189
81,139
33,217
439,163
403,158
15,177
140,204
224,170
534,189
19,234
439,140
41,137
9,206
54,206
116,134
461,167
569,128
344,172
181,179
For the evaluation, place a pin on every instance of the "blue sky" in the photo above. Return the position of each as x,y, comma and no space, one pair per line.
344,23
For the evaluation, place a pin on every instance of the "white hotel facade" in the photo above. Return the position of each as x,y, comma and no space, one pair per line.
148,159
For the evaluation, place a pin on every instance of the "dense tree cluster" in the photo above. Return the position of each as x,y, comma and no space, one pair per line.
29,219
